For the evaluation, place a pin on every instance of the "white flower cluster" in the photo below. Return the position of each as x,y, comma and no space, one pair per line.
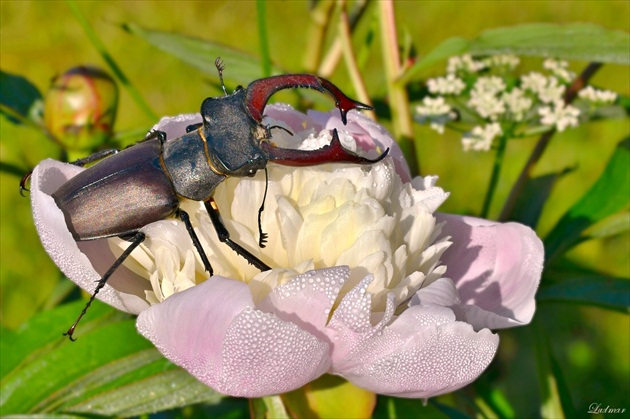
436,112
597,96
479,90
480,138
559,115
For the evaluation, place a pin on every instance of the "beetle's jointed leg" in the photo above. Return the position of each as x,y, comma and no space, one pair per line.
183,215
99,155
135,242
224,235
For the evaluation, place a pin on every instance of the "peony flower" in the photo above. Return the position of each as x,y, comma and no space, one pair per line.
368,281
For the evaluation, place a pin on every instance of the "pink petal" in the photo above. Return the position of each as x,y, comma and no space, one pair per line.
213,331
82,262
422,353
368,133
496,268
414,358
307,299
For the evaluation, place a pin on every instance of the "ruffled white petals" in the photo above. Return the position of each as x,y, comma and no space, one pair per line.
214,332
83,262
496,268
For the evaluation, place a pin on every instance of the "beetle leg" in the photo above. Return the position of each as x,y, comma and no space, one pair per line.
135,242
81,163
183,215
224,235
99,155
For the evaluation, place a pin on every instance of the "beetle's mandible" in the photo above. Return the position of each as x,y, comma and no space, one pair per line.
129,189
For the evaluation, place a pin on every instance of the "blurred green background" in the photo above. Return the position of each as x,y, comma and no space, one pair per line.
40,40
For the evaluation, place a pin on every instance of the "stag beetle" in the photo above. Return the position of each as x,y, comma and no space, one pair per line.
129,189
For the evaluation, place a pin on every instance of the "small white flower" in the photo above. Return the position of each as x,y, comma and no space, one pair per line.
449,85
484,97
560,115
490,85
597,96
533,82
552,92
435,111
487,105
546,88
508,61
559,68
480,138
465,64
517,103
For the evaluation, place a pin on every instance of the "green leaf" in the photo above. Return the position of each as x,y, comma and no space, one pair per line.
609,195
530,202
611,226
394,407
20,99
551,404
585,287
110,370
448,48
242,68
575,41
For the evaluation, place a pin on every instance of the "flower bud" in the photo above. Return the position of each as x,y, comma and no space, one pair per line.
80,108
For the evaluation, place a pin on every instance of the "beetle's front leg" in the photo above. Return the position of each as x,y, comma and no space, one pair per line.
224,235
183,215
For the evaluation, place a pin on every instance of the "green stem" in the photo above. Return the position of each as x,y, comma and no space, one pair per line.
118,73
396,93
265,56
350,59
320,20
494,177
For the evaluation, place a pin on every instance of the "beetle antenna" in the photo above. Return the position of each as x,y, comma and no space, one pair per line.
263,236
282,128
220,67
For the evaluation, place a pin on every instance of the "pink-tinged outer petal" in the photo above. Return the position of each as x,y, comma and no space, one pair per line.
368,134
496,268
427,359
213,331
307,299
422,353
175,126
82,262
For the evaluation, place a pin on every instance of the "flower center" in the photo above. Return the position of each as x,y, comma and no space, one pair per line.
361,216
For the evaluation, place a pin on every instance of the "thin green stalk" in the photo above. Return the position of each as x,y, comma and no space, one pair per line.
350,59
118,73
396,93
265,56
494,177
320,20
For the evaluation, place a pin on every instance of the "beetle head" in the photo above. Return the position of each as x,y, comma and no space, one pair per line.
233,136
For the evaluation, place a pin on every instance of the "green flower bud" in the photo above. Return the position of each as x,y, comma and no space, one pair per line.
80,108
